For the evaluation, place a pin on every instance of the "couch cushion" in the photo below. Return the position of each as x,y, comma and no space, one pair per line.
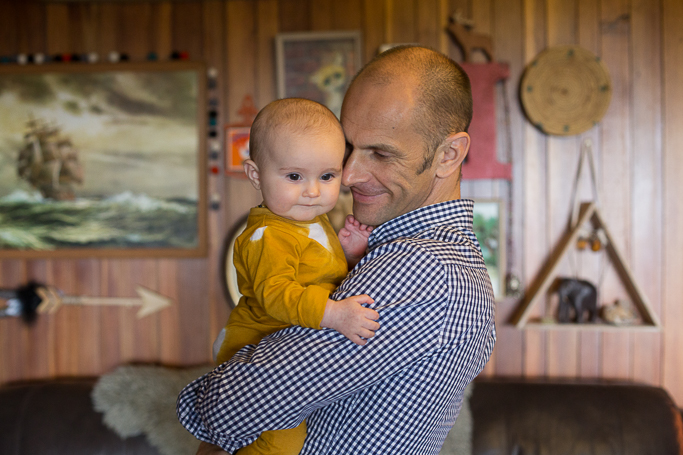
56,417
569,418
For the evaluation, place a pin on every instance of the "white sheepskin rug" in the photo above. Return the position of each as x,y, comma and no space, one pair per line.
140,400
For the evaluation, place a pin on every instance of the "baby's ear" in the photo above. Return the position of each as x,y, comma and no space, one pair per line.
251,169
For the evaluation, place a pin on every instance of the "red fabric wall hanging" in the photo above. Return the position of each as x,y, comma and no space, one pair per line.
482,162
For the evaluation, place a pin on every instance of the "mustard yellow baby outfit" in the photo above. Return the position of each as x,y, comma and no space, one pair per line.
286,271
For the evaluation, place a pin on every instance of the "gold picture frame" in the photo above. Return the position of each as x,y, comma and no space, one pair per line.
103,160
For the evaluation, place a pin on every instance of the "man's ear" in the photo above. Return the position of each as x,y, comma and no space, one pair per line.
451,154
251,169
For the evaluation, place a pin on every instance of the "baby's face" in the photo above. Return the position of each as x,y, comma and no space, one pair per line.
301,173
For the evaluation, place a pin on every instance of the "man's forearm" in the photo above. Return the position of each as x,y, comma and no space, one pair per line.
281,381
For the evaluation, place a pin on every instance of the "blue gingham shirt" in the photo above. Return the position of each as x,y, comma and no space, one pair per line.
398,394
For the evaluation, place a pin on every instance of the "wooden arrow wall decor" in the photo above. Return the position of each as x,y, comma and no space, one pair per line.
149,301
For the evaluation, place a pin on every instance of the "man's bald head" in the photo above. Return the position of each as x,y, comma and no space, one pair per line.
441,89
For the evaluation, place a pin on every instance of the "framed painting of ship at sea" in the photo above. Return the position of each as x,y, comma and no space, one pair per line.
103,160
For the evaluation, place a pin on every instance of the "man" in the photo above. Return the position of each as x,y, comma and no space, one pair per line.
405,118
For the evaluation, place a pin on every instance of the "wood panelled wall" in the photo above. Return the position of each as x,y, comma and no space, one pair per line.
637,148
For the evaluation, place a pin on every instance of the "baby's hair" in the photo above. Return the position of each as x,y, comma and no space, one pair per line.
297,114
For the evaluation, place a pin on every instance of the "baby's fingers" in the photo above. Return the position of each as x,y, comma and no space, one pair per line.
366,333
364,298
358,340
370,314
371,325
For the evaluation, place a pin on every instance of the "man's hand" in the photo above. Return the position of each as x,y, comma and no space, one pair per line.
352,320
209,449
354,240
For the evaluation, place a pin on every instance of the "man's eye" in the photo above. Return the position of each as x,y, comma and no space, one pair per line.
380,155
293,177
327,177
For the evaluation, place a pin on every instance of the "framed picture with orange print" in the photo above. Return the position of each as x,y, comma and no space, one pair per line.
317,65
237,139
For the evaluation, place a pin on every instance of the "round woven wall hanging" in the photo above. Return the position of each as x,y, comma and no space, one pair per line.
565,90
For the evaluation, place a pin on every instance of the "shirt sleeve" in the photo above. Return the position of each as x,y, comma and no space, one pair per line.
288,375
272,261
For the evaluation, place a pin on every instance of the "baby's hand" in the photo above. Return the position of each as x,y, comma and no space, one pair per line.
354,240
352,320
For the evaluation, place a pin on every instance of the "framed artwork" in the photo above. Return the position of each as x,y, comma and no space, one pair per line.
317,65
489,227
236,147
103,160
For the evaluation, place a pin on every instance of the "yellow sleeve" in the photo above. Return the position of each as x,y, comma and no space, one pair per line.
272,263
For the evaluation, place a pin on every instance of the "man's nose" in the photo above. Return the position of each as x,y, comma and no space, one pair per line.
353,169
312,189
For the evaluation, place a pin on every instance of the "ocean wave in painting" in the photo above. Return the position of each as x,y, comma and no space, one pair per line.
124,220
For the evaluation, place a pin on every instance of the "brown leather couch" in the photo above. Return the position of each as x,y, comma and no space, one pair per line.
511,417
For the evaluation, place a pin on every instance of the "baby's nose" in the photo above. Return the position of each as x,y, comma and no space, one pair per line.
312,190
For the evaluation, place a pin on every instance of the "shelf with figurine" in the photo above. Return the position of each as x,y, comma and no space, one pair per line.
578,307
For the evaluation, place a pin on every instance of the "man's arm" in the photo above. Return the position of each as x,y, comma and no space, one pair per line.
288,375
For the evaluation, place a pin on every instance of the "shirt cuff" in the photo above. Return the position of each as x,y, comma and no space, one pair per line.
312,309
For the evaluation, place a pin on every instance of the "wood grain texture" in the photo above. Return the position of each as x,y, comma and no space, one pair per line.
646,199
401,21
214,56
374,17
636,149
535,236
615,173
562,160
672,268
590,264
508,40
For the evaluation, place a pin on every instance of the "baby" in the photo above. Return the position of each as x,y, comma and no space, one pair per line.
289,259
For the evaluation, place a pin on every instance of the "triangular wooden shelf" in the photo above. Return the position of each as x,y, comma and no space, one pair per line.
589,212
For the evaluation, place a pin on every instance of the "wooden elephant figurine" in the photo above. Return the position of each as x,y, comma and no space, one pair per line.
579,295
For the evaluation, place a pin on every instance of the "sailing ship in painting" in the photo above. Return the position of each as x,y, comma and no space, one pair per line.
49,161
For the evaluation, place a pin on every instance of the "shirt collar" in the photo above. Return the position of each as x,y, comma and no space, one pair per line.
457,214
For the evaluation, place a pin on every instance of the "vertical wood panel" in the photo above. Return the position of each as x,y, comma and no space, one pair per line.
67,320
214,56
347,15
294,16
321,14
672,310
508,41
562,354
30,25
87,282
590,264
615,171
12,275
535,238
401,21
646,202
193,287
160,29
171,334
429,29
146,330
266,30
39,356
241,68
374,21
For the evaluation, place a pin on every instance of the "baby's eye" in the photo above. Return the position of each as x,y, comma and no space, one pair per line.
293,177
327,177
